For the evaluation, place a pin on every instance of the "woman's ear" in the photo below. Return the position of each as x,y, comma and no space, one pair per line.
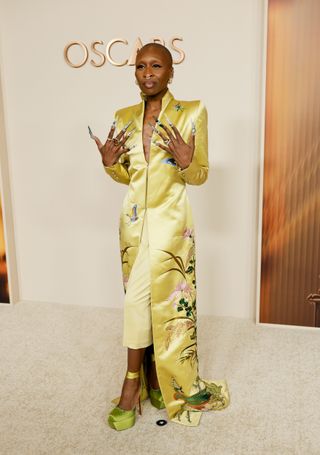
171,77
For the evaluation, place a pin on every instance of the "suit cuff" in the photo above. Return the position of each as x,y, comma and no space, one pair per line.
111,170
193,167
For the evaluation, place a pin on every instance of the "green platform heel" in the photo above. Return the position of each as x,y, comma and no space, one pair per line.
121,419
156,397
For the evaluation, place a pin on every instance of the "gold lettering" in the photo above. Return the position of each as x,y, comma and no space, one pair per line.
132,59
108,49
178,50
85,51
101,54
159,40
137,45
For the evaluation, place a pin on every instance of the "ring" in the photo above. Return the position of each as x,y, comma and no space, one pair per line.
115,141
167,141
108,139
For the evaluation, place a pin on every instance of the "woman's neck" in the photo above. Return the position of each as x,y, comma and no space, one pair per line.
153,103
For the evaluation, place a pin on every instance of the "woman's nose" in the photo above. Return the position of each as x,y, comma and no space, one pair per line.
148,73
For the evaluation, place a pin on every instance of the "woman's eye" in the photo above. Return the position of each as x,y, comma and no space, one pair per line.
139,67
156,65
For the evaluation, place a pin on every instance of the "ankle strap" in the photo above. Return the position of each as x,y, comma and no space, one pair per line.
133,374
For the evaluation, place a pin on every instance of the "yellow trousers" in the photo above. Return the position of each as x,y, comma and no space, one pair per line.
137,328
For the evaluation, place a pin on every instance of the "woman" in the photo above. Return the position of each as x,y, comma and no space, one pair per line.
161,146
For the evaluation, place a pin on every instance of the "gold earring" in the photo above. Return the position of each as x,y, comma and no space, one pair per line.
170,80
136,82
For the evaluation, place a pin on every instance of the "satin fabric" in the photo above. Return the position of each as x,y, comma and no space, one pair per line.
158,191
137,325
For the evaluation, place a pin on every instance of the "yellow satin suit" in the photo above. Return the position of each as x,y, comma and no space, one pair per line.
157,193
137,326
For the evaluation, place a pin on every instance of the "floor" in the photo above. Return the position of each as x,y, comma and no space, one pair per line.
62,364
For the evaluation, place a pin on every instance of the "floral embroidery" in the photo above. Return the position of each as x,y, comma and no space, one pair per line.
188,233
125,266
177,328
182,292
183,299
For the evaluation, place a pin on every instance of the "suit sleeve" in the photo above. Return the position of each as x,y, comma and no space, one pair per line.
197,171
119,171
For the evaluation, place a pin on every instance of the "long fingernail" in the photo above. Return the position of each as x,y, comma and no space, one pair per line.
157,120
113,124
90,132
131,132
153,128
127,125
193,130
168,120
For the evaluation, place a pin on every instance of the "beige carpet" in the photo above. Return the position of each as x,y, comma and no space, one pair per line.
61,365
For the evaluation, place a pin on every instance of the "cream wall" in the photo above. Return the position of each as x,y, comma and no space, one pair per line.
65,207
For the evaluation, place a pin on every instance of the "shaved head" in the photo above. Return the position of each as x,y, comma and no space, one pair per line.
157,47
154,70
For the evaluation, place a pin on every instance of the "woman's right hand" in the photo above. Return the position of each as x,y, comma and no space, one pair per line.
114,147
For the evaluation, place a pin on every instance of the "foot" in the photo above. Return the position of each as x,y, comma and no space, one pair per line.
129,393
152,376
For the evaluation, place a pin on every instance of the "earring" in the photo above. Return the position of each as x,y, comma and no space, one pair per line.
170,80
136,82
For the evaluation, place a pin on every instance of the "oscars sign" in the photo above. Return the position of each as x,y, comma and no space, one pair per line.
101,56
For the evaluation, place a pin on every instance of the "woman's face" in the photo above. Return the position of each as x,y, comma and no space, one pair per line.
153,70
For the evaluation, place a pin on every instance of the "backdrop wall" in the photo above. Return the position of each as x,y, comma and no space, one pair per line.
65,208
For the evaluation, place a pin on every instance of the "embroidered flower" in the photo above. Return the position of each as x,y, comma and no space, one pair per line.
176,329
188,233
182,291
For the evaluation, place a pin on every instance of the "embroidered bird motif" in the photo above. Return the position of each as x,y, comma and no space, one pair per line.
209,397
178,107
133,216
170,161
192,402
195,402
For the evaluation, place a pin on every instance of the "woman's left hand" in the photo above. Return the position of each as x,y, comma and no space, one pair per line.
181,151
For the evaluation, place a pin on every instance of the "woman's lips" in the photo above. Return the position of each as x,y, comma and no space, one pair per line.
149,84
